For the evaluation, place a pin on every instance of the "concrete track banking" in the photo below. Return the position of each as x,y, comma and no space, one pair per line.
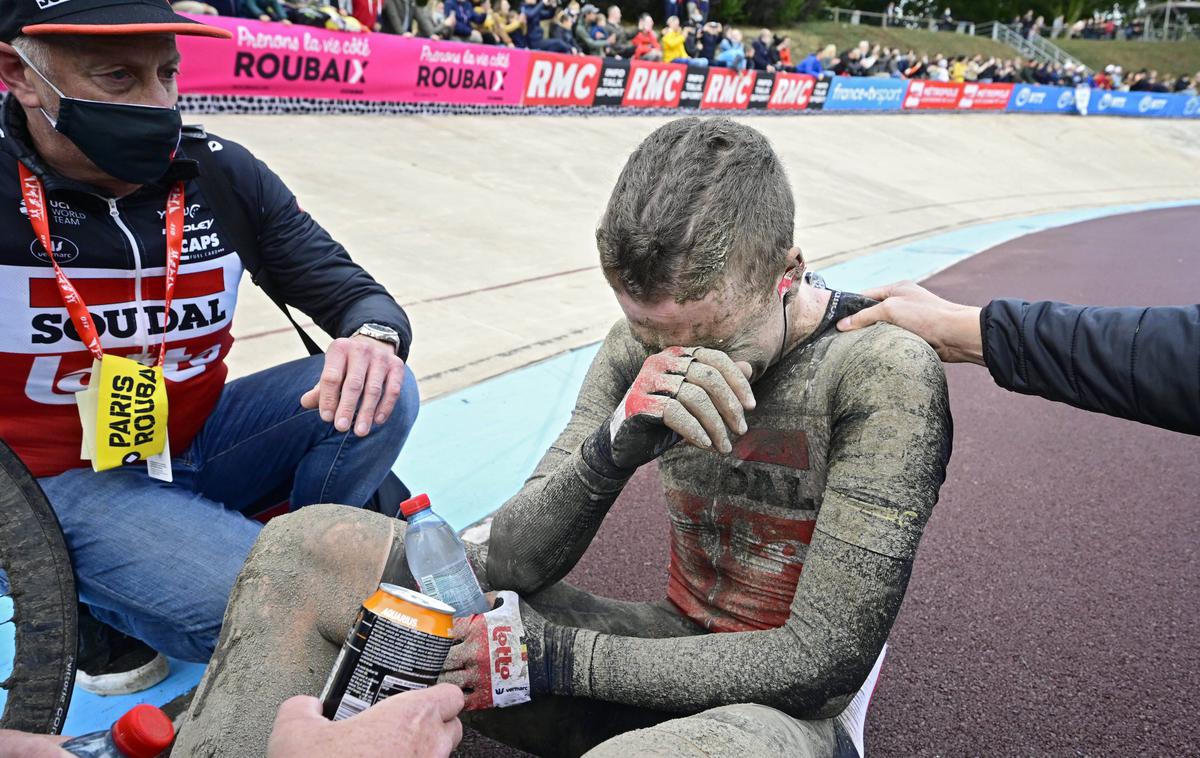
483,226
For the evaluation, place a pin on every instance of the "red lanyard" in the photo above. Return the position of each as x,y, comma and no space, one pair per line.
35,205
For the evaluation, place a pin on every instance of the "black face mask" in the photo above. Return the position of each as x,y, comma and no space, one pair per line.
134,143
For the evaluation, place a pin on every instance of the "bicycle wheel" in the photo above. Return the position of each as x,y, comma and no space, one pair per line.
38,633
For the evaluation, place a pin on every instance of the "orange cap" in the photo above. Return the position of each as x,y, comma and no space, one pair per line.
143,732
418,503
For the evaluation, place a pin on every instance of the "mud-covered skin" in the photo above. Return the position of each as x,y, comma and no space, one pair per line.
835,481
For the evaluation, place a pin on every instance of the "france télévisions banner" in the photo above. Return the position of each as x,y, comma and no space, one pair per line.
1041,98
269,59
853,94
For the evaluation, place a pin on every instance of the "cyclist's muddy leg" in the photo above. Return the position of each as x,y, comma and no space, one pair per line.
570,726
733,730
287,616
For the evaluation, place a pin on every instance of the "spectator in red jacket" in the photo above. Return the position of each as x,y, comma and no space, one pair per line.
645,42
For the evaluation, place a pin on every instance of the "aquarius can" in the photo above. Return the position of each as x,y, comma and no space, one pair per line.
398,642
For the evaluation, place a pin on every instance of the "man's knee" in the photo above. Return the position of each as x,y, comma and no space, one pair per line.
321,538
735,730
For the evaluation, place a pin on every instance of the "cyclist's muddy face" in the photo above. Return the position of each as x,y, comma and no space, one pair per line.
744,328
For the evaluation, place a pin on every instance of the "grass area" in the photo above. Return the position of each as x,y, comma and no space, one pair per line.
1174,58
1167,57
809,37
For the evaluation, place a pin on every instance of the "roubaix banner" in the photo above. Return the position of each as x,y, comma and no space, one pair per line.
268,60
278,60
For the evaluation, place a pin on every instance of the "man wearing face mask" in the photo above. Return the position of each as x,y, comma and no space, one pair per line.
120,278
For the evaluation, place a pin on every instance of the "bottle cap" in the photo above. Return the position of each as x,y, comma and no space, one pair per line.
143,732
418,503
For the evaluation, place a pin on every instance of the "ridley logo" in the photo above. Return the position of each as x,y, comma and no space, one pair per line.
65,250
44,4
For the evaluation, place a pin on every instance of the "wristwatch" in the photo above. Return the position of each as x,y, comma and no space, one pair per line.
381,333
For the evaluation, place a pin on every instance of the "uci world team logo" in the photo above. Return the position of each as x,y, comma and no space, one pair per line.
65,250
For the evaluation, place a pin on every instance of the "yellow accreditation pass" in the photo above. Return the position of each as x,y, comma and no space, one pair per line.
130,422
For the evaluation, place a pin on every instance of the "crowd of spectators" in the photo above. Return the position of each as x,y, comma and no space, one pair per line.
688,36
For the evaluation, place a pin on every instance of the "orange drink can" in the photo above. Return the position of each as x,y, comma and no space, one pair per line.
398,642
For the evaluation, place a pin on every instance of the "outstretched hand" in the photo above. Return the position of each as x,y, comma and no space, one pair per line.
363,374
951,329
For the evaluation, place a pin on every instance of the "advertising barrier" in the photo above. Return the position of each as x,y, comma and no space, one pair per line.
302,61
1130,104
924,95
851,94
267,61
1039,98
985,97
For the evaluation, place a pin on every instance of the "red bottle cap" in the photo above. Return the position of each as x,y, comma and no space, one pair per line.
143,732
418,503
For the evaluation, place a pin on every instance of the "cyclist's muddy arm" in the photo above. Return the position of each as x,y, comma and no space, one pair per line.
541,532
888,455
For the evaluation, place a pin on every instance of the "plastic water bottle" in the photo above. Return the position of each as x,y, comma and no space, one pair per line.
438,560
143,732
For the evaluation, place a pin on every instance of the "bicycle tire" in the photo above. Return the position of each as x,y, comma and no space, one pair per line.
42,587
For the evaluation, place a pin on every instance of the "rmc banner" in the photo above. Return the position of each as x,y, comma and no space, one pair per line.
268,61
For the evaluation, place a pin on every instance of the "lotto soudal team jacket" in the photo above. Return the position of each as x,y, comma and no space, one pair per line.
114,251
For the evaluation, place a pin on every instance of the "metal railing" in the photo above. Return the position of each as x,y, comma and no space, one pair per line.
926,23
1034,46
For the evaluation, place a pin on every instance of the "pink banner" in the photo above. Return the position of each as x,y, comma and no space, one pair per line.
304,61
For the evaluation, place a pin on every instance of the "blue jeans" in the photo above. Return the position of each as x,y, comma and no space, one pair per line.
157,560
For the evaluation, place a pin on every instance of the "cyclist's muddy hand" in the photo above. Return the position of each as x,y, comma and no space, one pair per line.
22,745
363,374
695,394
496,658
417,724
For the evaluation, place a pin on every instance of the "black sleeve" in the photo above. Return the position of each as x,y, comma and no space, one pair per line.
310,270
1136,363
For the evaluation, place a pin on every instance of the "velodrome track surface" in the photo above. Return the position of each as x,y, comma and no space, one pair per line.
1053,605
482,226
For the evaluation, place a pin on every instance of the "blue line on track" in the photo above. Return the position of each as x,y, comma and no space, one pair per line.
472,449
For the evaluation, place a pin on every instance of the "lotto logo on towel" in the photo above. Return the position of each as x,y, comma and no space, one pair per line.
933,95
985,97
561,79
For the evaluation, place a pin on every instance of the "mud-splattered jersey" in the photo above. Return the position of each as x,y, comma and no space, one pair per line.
799,545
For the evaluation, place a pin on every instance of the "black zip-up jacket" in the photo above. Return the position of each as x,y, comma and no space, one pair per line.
1136,363
114,251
